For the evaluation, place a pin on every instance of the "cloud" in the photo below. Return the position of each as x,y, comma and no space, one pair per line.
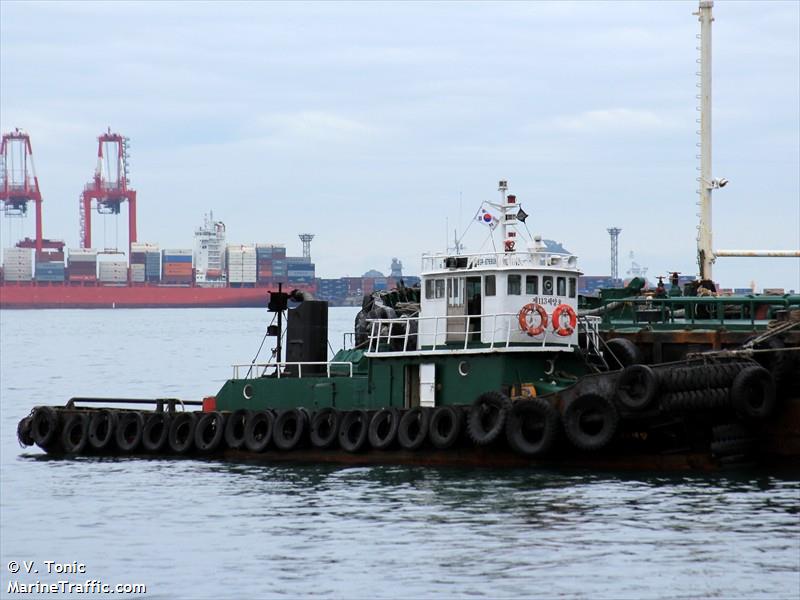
614,119
314,125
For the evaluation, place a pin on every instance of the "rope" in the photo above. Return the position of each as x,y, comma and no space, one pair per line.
770,333
742,352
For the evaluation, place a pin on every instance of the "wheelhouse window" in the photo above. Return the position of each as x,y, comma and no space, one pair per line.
531,285
453,291
490,285
429,289
439,288
572,287
547,285
561,286
514,285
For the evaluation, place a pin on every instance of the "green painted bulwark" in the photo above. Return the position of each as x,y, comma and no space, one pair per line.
381,382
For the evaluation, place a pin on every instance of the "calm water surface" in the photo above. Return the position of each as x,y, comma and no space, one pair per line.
208,529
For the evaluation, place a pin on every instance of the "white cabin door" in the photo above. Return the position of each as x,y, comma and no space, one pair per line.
427,385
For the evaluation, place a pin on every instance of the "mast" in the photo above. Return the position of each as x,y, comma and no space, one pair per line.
508,219
705,254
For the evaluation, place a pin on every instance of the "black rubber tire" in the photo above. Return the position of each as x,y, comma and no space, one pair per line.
75,433
259,430
210,432
590,421
129,431
731,431
734,447
24,436
623,353
753,393
532,426
155,434
778,363
234,428
637,387
413,428
290,429
102,429
487,417
181,432
354,430
383,428
445,426
45,426
324,430
695,400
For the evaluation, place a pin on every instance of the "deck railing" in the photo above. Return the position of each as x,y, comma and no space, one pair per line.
699,310
544,258
279,369
403,334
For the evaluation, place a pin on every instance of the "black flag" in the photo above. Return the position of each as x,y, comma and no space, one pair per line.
521,215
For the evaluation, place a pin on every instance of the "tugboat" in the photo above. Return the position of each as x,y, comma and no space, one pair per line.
488,362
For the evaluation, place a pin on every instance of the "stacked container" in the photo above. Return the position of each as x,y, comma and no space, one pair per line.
242,264
17,264
50,271
176,266
112,271
145,258
271,262
354,286
299,271
50,265
332,290
152,265
82,264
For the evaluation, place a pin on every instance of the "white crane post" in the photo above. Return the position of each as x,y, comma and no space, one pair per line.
705,254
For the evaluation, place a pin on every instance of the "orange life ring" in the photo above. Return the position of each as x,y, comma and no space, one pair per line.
523,319
564,330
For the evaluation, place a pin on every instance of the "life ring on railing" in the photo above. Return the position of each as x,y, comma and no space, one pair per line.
523,319
564,330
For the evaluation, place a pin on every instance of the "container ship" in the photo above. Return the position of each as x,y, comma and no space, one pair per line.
42,273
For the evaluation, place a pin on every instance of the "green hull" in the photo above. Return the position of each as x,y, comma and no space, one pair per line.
384,382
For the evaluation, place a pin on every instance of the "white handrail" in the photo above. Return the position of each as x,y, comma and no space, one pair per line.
254,368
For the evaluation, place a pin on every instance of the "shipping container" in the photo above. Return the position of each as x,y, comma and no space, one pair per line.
51,257
82,255
137,273
18,264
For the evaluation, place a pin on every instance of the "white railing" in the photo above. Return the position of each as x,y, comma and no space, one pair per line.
591,327
385,331
256,370
437,262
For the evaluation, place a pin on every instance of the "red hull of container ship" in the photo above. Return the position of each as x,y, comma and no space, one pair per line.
56,295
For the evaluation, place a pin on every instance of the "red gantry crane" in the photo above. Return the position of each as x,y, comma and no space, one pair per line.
19,184
109,187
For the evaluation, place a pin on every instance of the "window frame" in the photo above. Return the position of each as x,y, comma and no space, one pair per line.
487,289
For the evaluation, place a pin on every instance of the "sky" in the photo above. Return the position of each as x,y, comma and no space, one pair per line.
381,127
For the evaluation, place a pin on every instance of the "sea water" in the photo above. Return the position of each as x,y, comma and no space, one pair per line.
214,529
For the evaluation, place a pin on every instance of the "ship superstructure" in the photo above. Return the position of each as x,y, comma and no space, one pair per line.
209,251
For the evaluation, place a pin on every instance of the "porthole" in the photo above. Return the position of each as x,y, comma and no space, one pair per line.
549,367
463,368
247,392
